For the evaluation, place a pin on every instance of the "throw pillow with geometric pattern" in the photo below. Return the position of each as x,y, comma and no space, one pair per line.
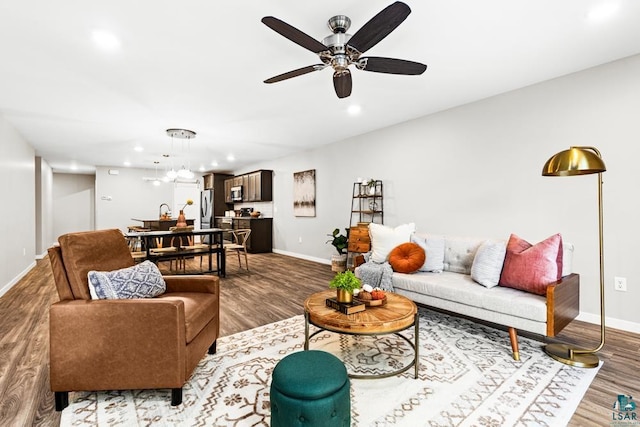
143,280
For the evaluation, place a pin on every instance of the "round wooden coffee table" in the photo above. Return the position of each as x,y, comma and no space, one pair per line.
397,314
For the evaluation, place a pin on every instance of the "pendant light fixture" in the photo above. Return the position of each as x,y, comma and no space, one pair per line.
184,172
156,181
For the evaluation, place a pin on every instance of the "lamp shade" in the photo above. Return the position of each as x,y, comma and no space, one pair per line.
574,161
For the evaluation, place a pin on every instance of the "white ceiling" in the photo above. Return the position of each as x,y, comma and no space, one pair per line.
200,65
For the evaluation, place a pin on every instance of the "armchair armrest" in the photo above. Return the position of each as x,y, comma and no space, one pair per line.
192,283
117,344
563,303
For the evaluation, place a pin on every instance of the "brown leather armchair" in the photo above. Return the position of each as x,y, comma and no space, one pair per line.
130,343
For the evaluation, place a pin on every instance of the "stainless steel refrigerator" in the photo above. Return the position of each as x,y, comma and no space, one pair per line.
206,209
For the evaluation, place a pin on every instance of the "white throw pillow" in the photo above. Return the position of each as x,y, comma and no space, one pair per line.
487,264
434,249
143,280
384,239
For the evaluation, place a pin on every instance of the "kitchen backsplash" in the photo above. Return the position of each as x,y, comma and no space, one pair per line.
265,208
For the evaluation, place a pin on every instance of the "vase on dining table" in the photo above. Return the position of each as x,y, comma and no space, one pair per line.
182,220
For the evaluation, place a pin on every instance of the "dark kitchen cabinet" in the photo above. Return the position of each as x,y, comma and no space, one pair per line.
260,186
228,183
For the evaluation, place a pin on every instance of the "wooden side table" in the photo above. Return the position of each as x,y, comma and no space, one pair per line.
397,314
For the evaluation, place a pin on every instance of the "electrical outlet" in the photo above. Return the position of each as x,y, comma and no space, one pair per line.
620,284
299,239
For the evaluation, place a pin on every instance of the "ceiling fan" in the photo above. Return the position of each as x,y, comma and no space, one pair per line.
339,50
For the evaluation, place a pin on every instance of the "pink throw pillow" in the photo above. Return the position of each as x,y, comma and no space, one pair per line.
532,268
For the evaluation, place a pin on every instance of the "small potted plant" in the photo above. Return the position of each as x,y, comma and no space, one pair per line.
345,282
371,186
340,242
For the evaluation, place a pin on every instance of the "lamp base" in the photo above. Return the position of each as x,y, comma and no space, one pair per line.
560,352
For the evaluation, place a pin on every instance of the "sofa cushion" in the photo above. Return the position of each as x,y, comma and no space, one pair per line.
434,251
407,257
487,264
532,268
140,281
200,308
384,239
461,288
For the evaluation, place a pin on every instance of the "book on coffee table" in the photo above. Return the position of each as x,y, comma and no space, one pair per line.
345,307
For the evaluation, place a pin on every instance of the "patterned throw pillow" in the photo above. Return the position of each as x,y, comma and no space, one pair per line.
143,280
487,264
532,268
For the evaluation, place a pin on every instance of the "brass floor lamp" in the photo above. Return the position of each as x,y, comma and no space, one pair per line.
580,161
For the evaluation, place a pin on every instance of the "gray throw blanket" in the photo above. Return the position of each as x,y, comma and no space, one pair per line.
375,274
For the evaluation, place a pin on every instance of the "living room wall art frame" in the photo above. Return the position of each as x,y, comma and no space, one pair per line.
304,193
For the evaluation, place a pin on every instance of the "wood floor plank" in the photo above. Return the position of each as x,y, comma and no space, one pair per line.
273,289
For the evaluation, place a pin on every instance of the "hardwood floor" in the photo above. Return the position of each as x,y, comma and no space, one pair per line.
274,289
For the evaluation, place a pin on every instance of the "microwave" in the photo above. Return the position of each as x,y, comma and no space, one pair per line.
236,193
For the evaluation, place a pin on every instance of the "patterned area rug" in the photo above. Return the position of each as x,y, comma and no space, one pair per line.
467,377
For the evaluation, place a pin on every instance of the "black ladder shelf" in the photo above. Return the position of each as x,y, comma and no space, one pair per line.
367,205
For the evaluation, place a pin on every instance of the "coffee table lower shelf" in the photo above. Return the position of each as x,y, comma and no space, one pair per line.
414,363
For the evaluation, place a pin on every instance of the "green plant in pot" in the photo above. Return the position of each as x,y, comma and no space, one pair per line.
340,242
345,283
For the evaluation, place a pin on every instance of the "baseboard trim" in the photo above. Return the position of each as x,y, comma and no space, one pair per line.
16,279
610,322
302,256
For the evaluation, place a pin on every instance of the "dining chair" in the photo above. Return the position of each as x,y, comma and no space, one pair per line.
239,244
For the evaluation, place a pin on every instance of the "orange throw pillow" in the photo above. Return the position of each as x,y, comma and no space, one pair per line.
407,258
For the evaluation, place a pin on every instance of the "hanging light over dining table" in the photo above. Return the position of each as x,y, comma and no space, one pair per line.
185,171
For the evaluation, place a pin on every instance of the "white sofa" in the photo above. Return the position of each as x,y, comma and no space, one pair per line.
454,290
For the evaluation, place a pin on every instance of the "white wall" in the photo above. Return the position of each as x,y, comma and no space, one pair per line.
476,170
17,202
73,203
131,197
44,207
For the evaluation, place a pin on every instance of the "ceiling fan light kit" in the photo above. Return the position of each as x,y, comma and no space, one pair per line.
340,50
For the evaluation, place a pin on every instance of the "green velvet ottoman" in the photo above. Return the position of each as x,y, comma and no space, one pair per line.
310,388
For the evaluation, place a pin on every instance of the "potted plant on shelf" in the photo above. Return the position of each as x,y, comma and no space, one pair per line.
371,186
340,242
345,282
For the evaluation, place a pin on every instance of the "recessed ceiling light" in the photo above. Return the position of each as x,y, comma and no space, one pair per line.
214,163
105,40
603,11
127,163
354,109
201,168
138,148
230,158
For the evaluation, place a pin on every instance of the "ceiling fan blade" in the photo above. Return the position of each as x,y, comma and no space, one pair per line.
390,66
342,83
293,34
379,27
296,73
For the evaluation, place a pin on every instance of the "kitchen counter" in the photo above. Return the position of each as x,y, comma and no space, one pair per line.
161,225
237,218
160,222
